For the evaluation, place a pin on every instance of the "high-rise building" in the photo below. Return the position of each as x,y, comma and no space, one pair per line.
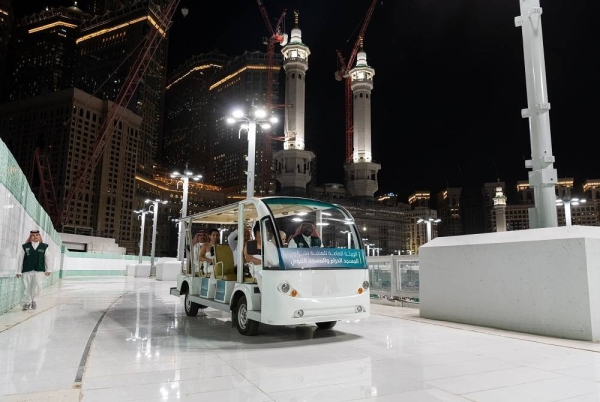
471,212
99,7
189,118
448,208
6,26
66,125
240,84
108,46
419,199
43,54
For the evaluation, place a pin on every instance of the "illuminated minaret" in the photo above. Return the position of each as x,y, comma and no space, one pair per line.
293,169
500,209
361,173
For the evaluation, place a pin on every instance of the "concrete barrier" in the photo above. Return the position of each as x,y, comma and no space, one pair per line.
142,270
539,281
130,269
168,270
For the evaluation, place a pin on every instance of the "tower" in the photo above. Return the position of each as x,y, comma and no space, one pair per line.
361,174
294,163
500,210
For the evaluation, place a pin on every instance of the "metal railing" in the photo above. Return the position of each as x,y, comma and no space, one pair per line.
394,277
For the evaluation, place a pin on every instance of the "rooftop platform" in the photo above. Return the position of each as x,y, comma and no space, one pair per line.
127,338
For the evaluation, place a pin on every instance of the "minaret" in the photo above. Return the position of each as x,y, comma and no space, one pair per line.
361,174
293,170
500,210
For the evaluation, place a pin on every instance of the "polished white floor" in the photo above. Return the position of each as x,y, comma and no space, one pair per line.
121,339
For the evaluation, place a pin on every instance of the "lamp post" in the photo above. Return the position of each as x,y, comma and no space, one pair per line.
249,121
428,222
349,234
543,175
154,207
142,213
185,180
567,204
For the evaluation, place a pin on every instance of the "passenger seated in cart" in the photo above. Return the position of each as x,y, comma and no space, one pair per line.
199,239
207,251
254,252
233,242
305,236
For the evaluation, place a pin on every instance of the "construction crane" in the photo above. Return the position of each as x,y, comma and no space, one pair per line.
343,74
277,36
105,133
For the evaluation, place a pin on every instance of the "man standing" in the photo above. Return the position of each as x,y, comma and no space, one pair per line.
32,267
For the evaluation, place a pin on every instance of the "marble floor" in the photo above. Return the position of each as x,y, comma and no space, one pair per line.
127,339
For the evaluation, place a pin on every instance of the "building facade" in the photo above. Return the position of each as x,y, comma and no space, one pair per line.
43,54
66,125
188,115
108,46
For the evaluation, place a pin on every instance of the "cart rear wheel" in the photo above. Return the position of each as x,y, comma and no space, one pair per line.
191,308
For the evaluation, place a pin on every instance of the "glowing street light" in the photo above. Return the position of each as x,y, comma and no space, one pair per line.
154,207
185,180
567,204
249,121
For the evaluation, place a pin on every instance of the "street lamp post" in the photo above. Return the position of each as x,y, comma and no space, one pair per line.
249,122
154,207
142,213
428,222
349,234
185,180
567,204
543,175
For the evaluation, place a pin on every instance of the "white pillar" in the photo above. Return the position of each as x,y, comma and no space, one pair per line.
428,223
543,176
567,213
142,235
154,224
184,204
251,157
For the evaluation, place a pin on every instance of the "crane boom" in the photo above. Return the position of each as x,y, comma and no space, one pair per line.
343,74
105,133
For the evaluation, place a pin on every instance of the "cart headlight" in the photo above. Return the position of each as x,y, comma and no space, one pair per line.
366,285
299,313
284,287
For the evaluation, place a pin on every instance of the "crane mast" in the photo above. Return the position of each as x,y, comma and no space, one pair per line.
106,131
343,73
276,37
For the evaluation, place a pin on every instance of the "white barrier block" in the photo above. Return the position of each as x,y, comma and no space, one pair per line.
539,281
168,270
130,269
142,270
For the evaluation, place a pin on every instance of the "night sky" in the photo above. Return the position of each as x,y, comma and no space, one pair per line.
449,82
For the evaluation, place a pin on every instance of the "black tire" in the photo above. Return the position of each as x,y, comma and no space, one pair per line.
191,308
326,324
245,326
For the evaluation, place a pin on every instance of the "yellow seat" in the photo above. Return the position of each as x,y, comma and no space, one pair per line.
224,267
